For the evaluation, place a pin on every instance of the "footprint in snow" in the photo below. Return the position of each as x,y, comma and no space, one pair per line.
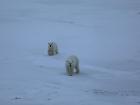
114,93
17,98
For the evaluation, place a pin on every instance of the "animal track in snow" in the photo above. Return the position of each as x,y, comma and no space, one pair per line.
114,92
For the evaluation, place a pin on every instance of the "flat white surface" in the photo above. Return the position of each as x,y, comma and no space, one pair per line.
104,34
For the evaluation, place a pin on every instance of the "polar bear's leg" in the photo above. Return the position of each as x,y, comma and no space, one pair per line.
56,51
53,52
76,60
77,68
50,52
69,71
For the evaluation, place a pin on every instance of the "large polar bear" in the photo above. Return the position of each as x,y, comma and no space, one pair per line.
72,63
52,48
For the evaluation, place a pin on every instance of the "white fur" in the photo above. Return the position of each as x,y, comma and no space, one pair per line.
72,63
52,48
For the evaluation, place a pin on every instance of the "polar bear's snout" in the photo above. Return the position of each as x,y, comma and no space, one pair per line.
50,45
70,64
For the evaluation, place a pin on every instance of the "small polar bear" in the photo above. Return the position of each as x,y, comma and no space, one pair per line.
72,63
52,48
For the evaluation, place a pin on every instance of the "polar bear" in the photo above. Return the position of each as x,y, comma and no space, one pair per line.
52,48
72,63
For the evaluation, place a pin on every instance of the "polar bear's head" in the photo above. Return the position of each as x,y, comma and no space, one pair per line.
50,48
69,67
69,63
50,45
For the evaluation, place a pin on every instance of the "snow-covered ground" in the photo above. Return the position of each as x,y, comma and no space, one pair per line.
104,34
